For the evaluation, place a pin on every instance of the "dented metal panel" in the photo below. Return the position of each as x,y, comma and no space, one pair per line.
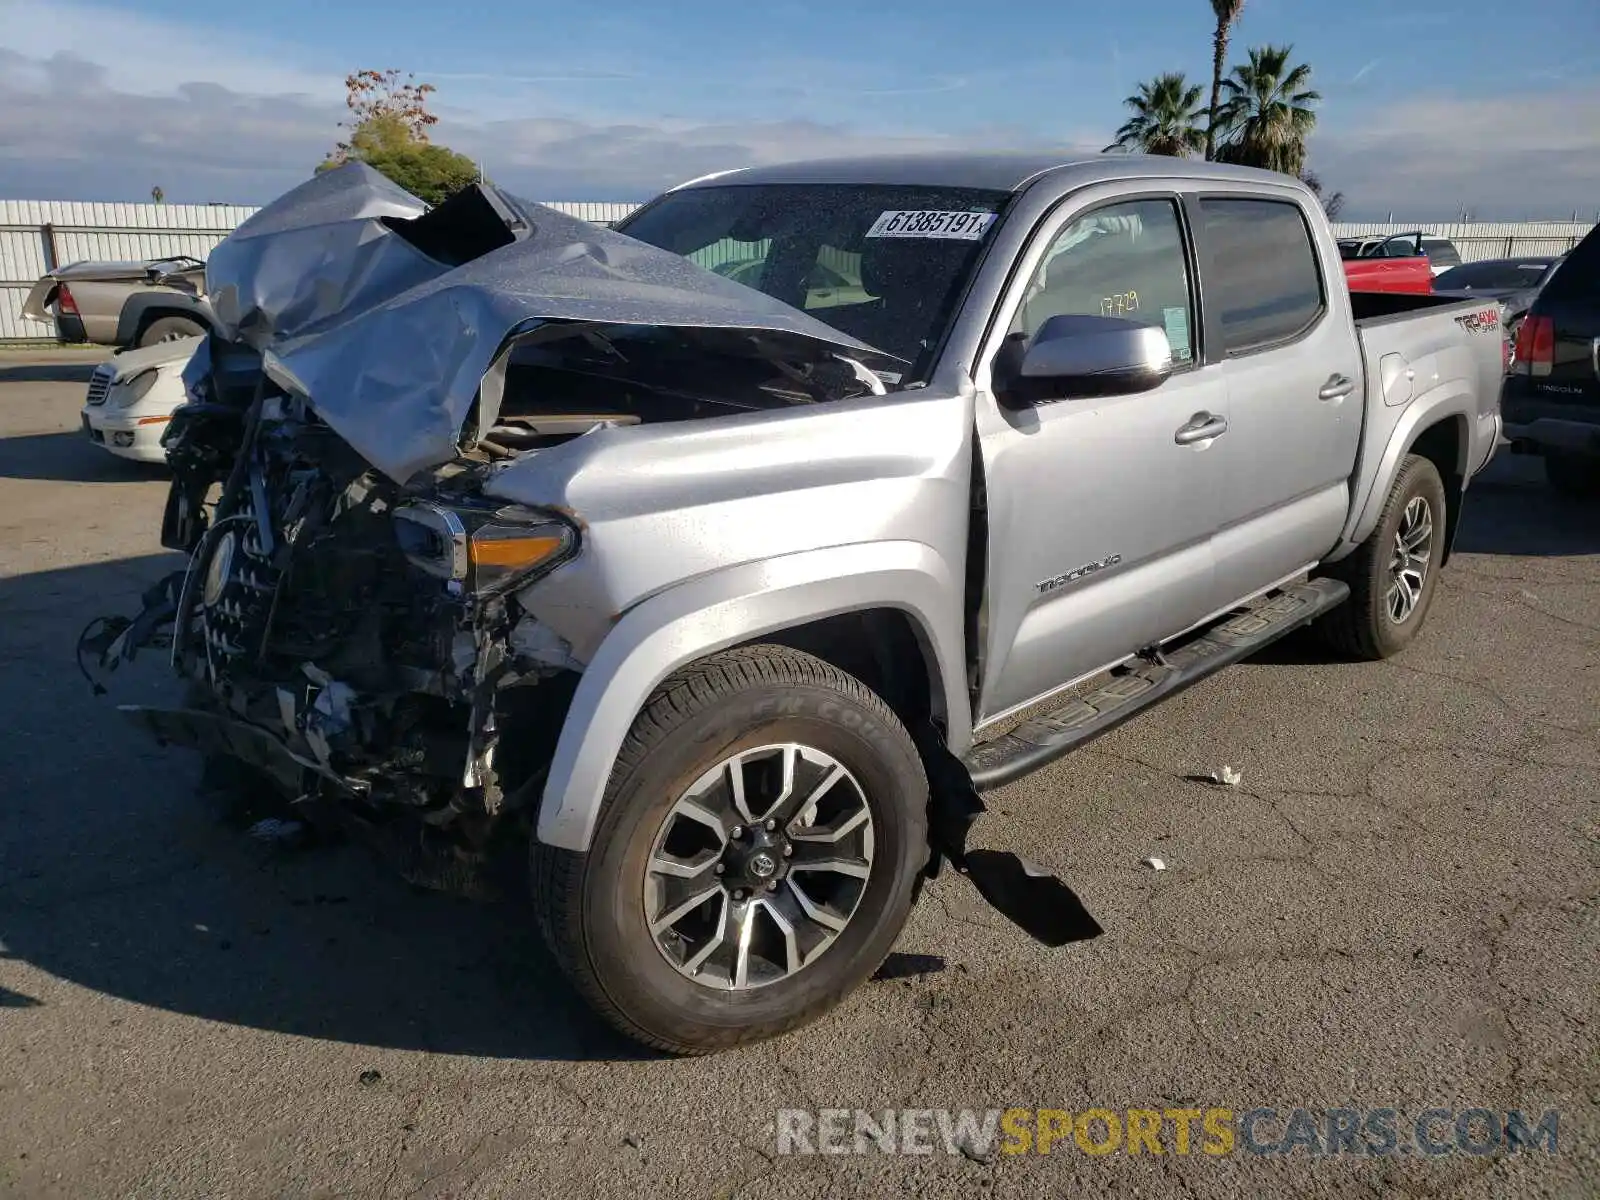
390,346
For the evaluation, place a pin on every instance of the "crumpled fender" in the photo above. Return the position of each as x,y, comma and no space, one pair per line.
710,613
36,306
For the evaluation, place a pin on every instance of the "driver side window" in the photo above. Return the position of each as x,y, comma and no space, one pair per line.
1124,260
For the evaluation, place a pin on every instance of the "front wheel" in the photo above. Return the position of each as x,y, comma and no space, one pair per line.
1392,575
757,854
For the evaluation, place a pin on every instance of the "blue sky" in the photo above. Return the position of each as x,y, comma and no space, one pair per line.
1426,108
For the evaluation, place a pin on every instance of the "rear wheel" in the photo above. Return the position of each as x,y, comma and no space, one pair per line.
1573,475
1393,573
756,856
170,329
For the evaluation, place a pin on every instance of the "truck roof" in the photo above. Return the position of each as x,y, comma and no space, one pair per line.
1009,172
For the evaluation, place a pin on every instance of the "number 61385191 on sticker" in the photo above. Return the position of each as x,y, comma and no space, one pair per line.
929,223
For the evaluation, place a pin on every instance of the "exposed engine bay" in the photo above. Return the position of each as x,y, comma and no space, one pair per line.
359,642
347,622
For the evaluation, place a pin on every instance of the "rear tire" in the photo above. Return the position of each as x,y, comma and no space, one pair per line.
1388,600
1575,476
601,911
170,329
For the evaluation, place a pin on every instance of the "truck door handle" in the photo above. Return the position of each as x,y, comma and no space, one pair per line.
1200,427
1338,386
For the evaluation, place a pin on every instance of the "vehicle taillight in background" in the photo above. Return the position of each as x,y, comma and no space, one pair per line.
1536,346
65,304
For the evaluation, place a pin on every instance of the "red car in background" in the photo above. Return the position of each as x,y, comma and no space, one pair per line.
1393,264
1389,274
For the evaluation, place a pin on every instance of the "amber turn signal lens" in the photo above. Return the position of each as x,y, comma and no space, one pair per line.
512,552
504,552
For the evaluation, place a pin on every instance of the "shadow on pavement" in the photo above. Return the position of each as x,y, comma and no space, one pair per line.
70,458
55,372
1509,510
1512,510
116,876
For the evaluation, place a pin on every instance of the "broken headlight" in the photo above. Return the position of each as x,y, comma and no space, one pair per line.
130,391
484,549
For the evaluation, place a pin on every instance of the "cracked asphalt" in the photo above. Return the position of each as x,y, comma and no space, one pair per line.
1398,906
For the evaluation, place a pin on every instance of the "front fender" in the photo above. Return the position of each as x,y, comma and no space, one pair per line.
710,613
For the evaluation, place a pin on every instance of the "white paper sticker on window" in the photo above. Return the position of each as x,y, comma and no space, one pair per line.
1177,322
927,223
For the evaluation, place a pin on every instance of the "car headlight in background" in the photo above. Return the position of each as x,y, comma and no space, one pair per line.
130,392
487,550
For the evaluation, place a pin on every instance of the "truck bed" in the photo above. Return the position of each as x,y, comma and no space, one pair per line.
1414,347
1375,308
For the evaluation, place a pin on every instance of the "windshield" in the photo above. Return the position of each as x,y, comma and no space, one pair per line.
885,264
1501,273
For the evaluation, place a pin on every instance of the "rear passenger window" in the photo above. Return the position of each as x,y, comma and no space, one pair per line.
1262,279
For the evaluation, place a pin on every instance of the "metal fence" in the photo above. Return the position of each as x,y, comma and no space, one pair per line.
1478,240
36,236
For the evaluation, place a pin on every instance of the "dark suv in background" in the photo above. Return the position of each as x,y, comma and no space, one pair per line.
1551,399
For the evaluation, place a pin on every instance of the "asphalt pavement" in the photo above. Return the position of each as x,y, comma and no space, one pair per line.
1397,907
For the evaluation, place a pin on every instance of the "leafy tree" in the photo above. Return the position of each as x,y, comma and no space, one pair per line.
389,132
1166,119
1267,112
157,196
1227,14
1331,204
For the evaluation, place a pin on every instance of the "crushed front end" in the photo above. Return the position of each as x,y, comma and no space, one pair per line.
349,622
346,637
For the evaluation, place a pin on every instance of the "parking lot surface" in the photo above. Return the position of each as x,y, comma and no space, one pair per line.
1398,906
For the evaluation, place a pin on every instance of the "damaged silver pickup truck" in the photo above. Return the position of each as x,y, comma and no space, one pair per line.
504,530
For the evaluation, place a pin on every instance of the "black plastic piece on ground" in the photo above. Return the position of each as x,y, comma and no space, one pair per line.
1041,740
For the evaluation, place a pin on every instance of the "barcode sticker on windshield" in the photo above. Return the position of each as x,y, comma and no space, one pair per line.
927,223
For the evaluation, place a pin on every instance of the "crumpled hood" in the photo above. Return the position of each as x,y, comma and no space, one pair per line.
175,353
390,345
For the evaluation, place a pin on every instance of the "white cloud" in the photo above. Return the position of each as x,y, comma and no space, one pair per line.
202,141
1505,157
557,159
96,103
146,55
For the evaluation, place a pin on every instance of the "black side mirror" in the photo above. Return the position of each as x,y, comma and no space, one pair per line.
1081,357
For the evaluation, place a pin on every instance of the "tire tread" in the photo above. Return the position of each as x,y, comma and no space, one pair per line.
556,874
1351,629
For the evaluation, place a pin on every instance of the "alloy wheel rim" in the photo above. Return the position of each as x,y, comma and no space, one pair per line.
759,867
1409,561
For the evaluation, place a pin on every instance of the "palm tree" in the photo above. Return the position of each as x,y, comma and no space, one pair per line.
1227,14
1166,119
1267,112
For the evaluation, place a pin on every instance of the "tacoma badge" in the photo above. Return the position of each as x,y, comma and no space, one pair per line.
1060,581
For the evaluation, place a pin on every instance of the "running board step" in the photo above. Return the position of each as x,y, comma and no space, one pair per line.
1043,739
